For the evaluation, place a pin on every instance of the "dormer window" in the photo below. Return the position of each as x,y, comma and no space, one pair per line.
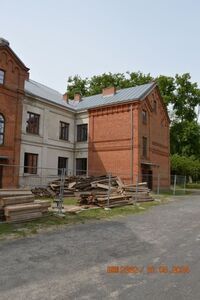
2,76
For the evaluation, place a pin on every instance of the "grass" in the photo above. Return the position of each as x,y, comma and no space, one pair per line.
52,221
193,186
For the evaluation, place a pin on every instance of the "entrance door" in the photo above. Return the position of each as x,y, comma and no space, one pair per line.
1,177
147,176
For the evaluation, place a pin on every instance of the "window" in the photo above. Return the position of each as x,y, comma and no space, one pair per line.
32,123
144,147
2,129
62,164
30,163
82,133
64,131
155,106
144,117
81,166
2,76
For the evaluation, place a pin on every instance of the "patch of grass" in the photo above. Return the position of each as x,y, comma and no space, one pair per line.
70,201
193,186
53,221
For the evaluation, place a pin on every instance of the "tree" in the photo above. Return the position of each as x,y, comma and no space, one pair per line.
187,97
185,138
77,85
186,166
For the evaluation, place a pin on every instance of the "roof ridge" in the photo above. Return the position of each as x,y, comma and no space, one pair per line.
131,87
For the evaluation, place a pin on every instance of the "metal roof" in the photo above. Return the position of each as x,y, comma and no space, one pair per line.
39,90
123,95
129,94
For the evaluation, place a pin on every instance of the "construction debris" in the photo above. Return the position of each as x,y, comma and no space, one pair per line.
102,190
112,193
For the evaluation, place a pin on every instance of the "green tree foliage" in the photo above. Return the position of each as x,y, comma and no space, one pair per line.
77,85
187,97
184,165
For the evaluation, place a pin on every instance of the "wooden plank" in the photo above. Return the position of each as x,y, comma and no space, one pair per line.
21,207
24,217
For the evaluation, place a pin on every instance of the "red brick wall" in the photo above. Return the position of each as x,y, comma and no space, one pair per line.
11,96
110,142
157,132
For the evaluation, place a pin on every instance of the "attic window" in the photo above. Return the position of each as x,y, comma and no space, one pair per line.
2,76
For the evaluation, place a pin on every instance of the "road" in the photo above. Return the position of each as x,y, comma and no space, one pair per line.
71,263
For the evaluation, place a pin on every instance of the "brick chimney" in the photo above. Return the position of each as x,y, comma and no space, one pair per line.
77,97
65,97
109,91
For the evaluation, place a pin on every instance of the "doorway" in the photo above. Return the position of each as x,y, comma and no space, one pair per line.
147,176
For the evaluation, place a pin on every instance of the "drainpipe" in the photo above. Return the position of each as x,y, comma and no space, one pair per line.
131,173
74,147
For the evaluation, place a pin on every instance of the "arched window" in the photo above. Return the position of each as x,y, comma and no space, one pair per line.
2,129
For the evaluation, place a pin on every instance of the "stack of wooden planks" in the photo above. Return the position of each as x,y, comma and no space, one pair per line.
20,205
74,184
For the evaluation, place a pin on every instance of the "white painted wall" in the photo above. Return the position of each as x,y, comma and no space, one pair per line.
47,144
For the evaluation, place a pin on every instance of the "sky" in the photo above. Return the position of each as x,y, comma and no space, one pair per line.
58,39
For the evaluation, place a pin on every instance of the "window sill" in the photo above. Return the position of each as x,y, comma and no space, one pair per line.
35,134
64,140
30,174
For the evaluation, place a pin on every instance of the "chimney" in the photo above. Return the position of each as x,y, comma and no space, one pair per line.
109,91
65,97
77,97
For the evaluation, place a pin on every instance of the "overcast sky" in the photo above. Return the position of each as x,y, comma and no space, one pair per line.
57,39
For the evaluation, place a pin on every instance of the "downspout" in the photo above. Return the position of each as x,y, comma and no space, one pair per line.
74,147
131,173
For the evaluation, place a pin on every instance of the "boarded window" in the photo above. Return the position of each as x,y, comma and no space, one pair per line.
82,132
30,163
2,129
81,166
64,131
144,147
32,123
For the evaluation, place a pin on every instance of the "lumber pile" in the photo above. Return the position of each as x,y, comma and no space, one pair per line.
93,190
20,205
118,194
74,184
41,192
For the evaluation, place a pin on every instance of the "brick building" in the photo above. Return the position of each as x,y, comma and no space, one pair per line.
13,74
125,132
129,135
